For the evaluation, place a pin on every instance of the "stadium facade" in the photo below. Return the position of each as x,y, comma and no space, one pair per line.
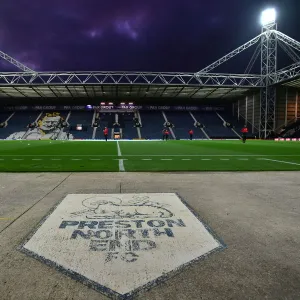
266,101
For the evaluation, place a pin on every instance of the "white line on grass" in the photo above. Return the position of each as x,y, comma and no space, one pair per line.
121,161
243,159
186,159
76,159
147,159
18,159
166,159
280,161
155,155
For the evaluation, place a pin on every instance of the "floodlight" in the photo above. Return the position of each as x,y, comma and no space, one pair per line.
268,16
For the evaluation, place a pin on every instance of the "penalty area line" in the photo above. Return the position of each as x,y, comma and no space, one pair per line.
280,161
121,161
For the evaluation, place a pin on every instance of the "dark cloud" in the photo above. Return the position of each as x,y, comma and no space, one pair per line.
158,35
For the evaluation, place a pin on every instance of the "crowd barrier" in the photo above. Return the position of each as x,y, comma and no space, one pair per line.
286,140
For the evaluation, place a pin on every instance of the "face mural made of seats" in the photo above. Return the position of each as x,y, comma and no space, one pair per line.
50,123
106,207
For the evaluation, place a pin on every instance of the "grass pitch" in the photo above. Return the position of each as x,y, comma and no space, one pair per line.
74,156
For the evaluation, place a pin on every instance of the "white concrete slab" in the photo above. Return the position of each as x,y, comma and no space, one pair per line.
118,243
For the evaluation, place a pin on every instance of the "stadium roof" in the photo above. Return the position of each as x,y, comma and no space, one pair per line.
200,85
123,85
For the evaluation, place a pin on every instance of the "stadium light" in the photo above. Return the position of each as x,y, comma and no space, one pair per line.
268,16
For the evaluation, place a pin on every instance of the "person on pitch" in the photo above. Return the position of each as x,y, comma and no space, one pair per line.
105,132
191,133
163,134
167,134
244,133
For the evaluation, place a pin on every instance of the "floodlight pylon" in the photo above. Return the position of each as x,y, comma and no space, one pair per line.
268,68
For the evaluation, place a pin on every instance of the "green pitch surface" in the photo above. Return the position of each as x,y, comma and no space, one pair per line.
74,156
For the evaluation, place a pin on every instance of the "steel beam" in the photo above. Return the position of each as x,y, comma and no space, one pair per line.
230,55
113,78
15,62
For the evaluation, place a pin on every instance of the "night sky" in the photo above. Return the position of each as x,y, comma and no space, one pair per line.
132,35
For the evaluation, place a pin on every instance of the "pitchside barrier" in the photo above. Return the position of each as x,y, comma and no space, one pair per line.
286,140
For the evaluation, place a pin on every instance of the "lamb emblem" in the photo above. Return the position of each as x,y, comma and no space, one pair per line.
107,207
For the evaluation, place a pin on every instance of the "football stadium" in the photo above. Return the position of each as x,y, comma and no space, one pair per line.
153,185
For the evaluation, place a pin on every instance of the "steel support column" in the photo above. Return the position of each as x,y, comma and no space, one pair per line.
253,116
268,92
296,106
286,107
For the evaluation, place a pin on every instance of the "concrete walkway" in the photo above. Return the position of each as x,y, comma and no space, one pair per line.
256,214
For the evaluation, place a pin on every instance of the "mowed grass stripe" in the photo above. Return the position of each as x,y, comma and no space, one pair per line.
170,156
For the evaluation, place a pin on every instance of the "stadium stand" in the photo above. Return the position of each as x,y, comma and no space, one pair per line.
81,118
291,130
127,124
153,124
50,127
106,120
17,125
183,122
214,125
4,116
237,124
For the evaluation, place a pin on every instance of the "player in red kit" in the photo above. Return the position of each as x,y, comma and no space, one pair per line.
105,132
167,134
191,132
244,133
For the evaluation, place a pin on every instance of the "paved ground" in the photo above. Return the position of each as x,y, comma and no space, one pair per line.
256,214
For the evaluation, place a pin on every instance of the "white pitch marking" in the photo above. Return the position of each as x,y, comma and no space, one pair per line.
18,159
186,159
166,159
76,159
243,159
56,159
147,159
154,155
280,161
121,161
